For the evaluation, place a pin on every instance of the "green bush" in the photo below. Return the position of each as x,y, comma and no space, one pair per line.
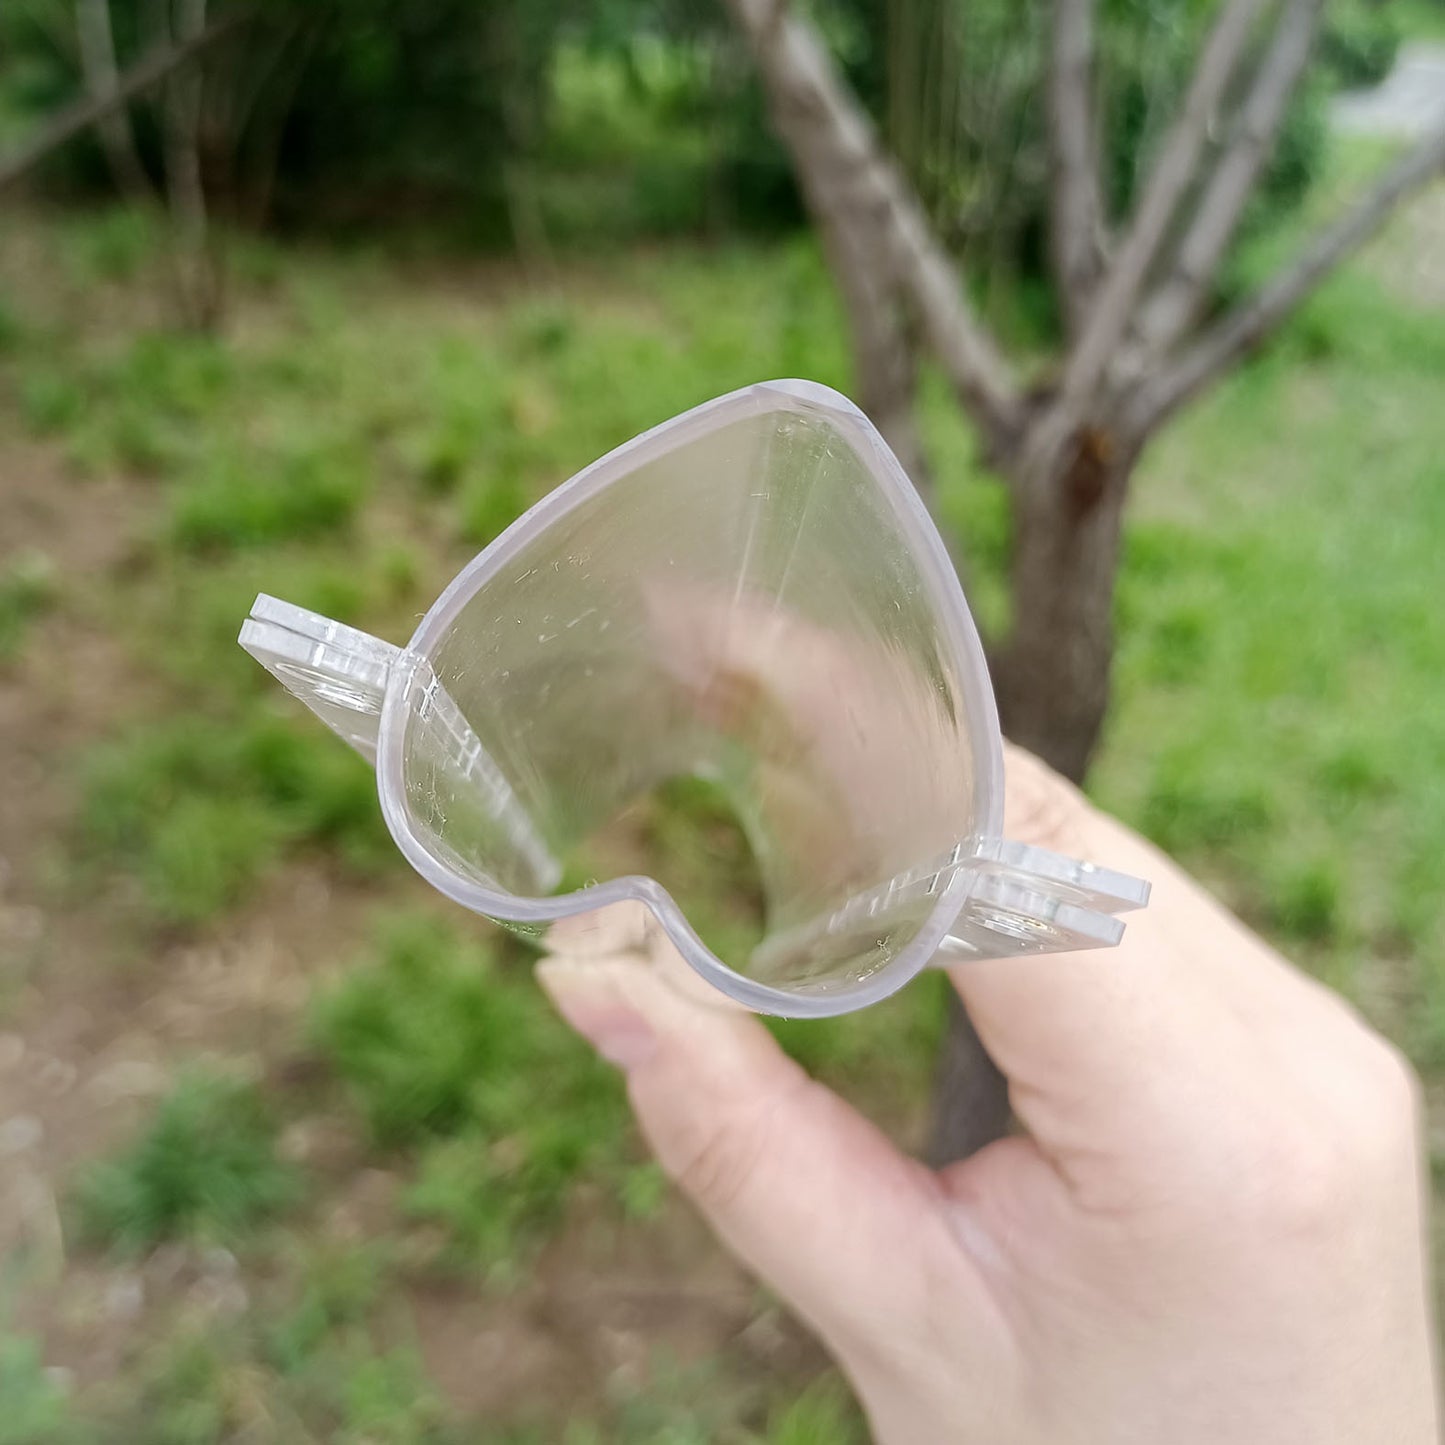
177,374
188,1397
417,1028
823,1414
12,328
205,1167
112,245
433,1036
27,589
35,1409
252,502
338,1287
386,1399
443,1048
200,854
496,1196
1360,42
197,810
1306,902
50,401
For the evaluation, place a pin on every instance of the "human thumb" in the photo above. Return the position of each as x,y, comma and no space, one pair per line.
801,1187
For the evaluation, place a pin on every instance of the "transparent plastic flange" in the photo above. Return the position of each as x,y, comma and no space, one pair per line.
751,592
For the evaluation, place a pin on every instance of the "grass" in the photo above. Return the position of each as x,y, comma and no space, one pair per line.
37,1410
27,590
246,502
445,1045
204,1167
214,1386
686,835
196,812
822,1415
1277,722
351,1387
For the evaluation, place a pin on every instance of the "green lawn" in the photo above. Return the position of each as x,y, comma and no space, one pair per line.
363,428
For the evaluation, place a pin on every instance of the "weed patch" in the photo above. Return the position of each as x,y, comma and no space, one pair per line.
204,1167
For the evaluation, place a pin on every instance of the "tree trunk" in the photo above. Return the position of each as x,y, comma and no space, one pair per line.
102,78
885,370
1052,682
72,120
195,262
1052,676
970,1094
1068,477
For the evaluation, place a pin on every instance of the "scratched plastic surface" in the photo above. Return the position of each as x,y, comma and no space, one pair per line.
751,593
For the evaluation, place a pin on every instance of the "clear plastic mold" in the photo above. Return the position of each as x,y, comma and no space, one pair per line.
752,593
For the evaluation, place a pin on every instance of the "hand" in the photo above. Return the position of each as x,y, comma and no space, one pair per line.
1212,1232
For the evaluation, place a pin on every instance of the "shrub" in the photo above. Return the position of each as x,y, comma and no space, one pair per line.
35,1407
197,810
240,503
442,1048
27,589
205,1166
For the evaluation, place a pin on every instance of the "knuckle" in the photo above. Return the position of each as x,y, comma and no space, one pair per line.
1390,1116
1310,1183
1329,1157
1398,1094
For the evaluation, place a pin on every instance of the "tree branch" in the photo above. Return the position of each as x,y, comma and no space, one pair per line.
1075,212
1169,179
1217,215
196,281
81,114
1255,319
856,192
97,59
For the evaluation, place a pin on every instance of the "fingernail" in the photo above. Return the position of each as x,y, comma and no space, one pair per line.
591,1005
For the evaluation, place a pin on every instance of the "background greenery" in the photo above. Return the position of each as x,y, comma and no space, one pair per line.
319,1163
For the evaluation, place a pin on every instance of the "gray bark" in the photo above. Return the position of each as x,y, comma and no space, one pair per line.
1067,453
855,190
102,78
1169,180
978,1110
1220,208
1076,215
1052,675
1245,328
79,116
196,275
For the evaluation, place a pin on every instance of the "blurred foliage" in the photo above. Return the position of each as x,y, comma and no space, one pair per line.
366,425
1361,40
27,589
310,494
445,1047
1290,624
219,1385
822,1415
959,89
686,835
36,1410
539,123
517,121
196,812
204,1166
